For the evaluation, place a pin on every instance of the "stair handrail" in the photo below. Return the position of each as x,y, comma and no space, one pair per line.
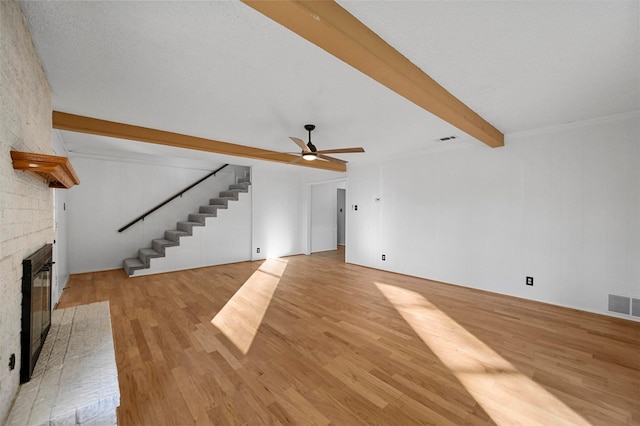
179,194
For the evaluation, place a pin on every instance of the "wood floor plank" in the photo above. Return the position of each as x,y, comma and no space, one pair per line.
333,348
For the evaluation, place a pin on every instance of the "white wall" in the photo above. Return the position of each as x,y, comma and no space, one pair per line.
561,205
278,226
112,193
61,236
324,220
26,202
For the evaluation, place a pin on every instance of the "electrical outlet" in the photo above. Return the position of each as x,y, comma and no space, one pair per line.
384,257
258,250
529,281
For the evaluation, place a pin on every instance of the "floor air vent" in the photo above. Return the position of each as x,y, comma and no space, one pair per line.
620,304
635,307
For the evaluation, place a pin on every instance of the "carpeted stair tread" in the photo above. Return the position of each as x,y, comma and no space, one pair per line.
149,252
159,244
241,187
229,195
221,202
191,223
200,217
145,254
211,210
187,226
132,264
174,235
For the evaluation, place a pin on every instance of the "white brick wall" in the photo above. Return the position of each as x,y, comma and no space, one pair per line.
26,209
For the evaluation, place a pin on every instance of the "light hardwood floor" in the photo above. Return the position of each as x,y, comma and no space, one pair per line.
312,340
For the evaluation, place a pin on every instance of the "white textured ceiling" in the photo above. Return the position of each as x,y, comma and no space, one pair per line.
223,71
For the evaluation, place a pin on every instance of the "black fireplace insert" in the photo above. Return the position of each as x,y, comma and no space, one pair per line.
36,307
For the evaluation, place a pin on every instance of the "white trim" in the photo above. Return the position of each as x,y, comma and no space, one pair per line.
307,217
57,135
155,162
573,125
321,182
463,144
61,290
307,202
604,312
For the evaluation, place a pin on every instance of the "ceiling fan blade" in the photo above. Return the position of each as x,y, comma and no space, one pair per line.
341,150
297,160
300,143
332,159
266,154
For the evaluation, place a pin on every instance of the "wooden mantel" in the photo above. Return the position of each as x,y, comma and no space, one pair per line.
57,170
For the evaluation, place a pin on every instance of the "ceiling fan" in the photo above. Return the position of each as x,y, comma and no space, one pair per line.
310,152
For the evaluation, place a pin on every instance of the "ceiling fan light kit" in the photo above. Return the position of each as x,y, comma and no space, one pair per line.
309,156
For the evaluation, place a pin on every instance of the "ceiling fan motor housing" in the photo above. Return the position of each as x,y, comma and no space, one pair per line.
309,128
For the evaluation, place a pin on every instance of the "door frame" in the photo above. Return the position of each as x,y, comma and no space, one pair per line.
307,203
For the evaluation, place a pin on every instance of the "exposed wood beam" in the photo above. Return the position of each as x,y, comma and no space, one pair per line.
94,126
330,27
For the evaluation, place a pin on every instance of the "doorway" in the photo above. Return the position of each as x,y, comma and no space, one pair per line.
326,216
341,207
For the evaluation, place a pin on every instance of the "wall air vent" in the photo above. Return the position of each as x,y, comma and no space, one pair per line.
635,307
619,304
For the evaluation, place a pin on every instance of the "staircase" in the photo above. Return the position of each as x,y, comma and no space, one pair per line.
185,228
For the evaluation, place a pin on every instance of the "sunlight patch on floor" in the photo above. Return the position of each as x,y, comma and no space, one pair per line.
506,395
240,318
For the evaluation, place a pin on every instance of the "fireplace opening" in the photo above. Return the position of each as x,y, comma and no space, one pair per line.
36,307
